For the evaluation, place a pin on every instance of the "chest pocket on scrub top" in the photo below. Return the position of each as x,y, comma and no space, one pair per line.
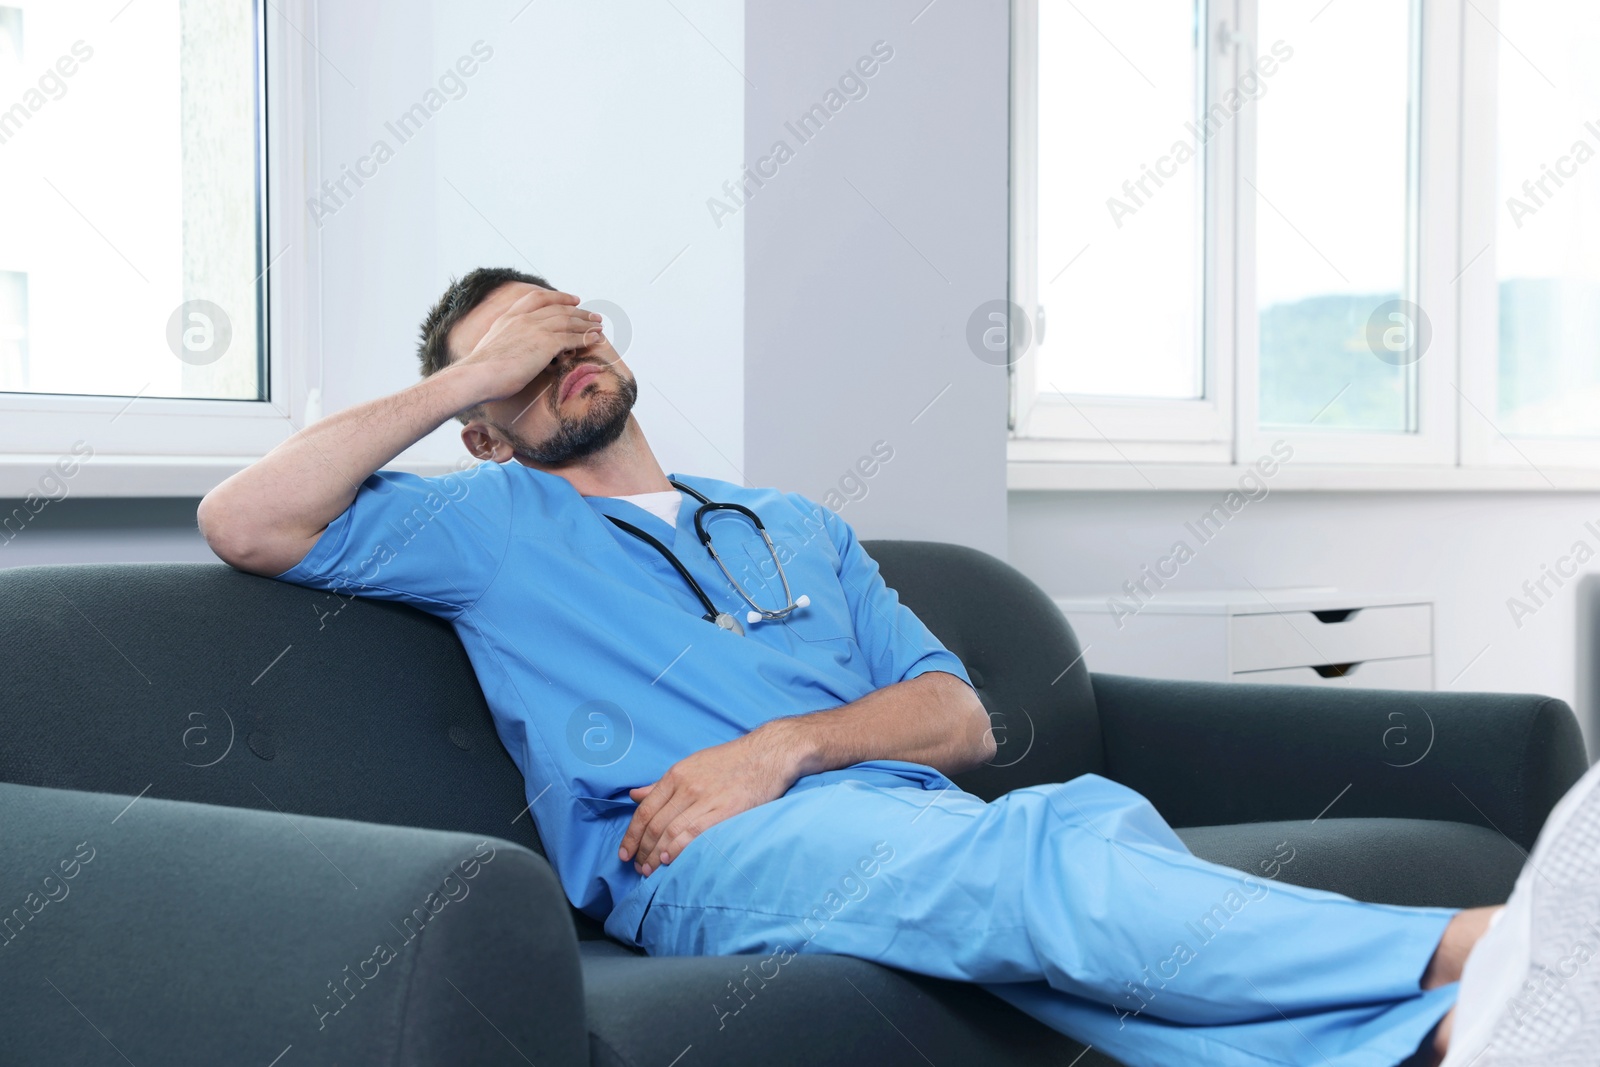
808,559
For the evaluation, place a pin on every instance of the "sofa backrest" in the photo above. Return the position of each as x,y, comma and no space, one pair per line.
1020,652
198,682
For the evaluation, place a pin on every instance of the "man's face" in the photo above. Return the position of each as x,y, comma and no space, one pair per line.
555,420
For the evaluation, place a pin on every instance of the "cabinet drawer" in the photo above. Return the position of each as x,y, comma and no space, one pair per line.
1412,672
1304,639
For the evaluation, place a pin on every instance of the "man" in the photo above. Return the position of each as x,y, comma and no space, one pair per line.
780,784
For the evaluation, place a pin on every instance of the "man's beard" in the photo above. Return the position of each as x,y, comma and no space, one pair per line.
598,427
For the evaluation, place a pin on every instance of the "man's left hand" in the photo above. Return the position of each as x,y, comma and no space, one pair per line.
703,789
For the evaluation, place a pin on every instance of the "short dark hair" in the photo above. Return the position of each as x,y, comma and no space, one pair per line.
462,295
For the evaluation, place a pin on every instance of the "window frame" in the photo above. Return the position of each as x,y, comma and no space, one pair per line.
1482,441
160,446
1101,428
1456,444
1433,192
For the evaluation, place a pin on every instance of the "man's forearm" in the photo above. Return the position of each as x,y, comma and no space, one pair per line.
307,481
934,719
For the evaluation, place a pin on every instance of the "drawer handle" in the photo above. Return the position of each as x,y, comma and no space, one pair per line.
1336,670
1335,615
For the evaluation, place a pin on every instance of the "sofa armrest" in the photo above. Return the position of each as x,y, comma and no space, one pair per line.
1213,753
195,934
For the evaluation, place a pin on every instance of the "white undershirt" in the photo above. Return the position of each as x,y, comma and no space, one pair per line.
664,505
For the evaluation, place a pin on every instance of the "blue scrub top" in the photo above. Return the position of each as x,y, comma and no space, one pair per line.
590,648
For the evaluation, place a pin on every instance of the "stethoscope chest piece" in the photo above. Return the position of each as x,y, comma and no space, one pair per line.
728,622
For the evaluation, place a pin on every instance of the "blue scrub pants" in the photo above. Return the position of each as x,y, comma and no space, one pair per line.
1075,902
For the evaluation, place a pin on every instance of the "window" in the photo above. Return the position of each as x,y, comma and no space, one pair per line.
1396,239
1157,213
1115,272
151,154
1334,242
1530,240
1548,228
130,260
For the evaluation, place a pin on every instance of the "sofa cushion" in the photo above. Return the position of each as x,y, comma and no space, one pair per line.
814,1009
148,931
1416,862
198,682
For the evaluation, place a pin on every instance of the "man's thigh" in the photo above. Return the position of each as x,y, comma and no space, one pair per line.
835,868
933,881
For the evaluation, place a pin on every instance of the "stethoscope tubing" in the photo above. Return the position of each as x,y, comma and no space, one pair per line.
667,554
707,505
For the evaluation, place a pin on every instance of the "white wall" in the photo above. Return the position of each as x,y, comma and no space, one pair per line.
866,254
582,149
1467,552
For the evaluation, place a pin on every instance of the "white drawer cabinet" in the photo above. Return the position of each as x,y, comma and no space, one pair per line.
1318,637
1409,672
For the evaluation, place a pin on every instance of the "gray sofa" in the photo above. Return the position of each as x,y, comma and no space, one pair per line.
248,822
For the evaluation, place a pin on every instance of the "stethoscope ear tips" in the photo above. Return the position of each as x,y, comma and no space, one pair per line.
802,600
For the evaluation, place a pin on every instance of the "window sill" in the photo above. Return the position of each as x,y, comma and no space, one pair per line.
1047,476
141,476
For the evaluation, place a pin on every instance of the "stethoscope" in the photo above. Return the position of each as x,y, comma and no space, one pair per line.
724,619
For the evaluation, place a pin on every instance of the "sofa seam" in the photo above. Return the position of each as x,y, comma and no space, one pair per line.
402,1044
1524,820
614,1050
